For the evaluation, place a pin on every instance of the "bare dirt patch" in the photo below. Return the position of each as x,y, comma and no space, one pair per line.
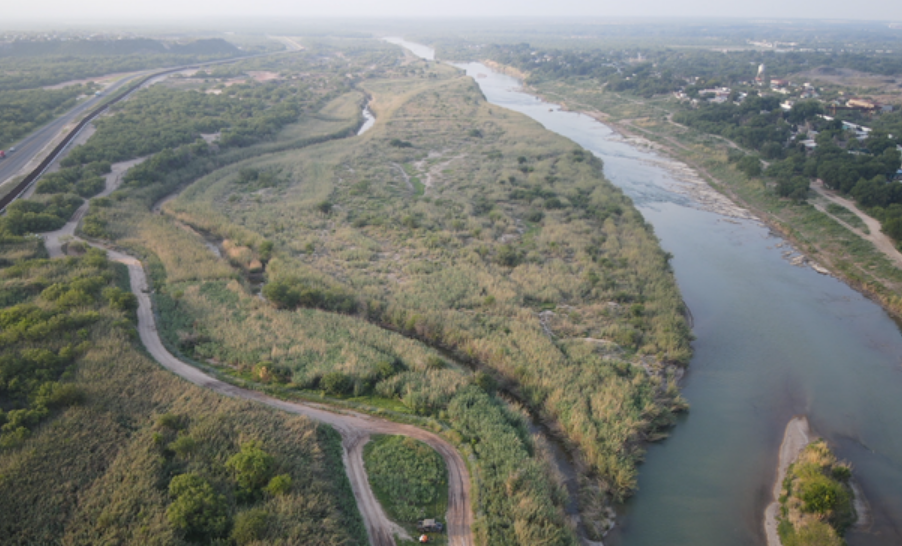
265,76
433,174
887,87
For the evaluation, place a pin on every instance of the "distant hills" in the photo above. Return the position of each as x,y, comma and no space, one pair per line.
108,47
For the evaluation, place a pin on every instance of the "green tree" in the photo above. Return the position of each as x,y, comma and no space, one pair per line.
266,248
252,468
804,110
750,165
197,509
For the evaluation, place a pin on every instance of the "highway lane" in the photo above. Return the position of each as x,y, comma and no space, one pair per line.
29,150
31,146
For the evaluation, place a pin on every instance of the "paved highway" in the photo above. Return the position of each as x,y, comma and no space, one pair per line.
31,146
28,151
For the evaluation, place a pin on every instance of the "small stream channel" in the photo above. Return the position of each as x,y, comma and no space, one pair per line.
368,120
773,340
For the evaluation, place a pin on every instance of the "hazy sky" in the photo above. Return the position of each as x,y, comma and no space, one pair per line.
176,9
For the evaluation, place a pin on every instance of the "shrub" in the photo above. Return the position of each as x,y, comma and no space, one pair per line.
820,496
279,485
197,509
250,525
183,446
170,421
336,383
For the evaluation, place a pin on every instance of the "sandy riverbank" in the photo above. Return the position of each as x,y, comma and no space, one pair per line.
692,181
795,438
687,180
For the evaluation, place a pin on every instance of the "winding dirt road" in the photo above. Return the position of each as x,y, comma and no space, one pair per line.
355,428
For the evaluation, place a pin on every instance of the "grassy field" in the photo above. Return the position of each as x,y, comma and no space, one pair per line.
97,465
814,232
848,217
409,479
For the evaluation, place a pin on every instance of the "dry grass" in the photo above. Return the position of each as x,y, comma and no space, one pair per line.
515,258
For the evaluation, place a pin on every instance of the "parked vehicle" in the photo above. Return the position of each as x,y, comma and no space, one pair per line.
430,526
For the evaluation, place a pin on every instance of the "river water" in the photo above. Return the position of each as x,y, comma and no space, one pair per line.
773,340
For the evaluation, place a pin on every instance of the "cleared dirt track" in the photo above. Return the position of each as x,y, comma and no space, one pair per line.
355,428
876,236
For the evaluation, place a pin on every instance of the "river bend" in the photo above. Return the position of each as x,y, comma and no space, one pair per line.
774,340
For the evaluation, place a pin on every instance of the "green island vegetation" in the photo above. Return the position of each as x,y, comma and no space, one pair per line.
410,480
816,503
98,444
757,152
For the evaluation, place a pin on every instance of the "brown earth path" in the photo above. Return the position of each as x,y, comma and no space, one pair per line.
355,428
880,240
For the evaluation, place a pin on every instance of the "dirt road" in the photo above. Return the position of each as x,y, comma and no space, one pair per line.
883,243
53,240
355,428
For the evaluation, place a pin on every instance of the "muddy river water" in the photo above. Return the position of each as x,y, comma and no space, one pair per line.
774,340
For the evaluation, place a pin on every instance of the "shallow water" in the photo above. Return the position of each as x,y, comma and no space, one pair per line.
368,120
773,340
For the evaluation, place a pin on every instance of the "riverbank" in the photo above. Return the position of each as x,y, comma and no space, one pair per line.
826,245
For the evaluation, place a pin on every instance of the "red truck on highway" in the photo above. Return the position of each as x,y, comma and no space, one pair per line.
2,154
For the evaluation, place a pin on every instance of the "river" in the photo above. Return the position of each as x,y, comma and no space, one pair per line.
773,340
